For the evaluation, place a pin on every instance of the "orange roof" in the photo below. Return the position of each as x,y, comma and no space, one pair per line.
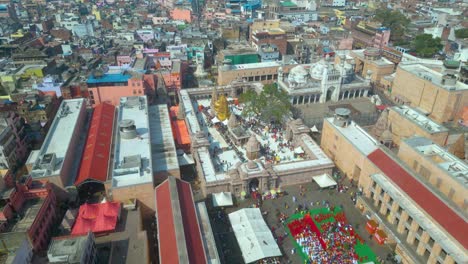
95,160
179,127
97,218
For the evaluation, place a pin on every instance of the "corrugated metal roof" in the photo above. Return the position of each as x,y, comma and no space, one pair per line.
179,232
446,217
95,160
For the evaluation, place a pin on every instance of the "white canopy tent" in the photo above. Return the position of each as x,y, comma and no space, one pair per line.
324,180
222,199
253,235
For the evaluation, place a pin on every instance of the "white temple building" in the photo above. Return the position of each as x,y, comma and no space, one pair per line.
324,81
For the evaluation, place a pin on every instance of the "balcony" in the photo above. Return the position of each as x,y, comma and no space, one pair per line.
391,229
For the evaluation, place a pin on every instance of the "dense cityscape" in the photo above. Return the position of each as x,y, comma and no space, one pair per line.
234,131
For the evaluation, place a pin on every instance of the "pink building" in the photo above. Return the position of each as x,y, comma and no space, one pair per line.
181,14
124,60
37,204
110,87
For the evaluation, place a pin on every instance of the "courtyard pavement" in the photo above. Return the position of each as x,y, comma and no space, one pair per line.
227,244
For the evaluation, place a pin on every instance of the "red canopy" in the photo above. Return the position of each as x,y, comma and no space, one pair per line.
97,218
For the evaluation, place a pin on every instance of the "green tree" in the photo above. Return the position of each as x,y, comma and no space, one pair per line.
394,20
461,33
426,46
272,104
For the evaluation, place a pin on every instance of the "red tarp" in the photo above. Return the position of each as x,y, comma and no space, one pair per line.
380,237
371,226
97,218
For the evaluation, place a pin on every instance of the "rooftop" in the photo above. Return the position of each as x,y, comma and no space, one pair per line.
431,203
412,208
364,142
256,65
55,146
420,119
180,238
132,157
434,77
67,249
162,140
29,210
108,78
207,234
451,164
382,61
95,160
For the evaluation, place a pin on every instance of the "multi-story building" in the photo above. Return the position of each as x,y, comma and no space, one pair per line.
323,81
265,72
73,250
28,212
58,159
422,225
132,168
438,95
371,60
272,36
13,142
109,87
404,122
444,171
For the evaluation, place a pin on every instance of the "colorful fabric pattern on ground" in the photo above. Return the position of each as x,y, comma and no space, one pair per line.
324,236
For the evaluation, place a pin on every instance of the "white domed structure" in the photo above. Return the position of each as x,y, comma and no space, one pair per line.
317,69
298,75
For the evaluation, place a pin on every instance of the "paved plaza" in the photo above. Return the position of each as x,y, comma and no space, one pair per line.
226,241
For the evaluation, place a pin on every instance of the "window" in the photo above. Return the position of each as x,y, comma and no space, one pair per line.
438,182
415,165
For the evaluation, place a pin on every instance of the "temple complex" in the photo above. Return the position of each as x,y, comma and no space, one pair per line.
241,155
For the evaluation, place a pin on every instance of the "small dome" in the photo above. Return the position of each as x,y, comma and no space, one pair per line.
298,75
317,69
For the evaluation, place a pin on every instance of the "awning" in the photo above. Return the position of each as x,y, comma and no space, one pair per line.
253,235
324,180
215,120
222,199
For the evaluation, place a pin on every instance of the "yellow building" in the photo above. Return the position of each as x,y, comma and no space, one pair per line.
371,60
438,167
422,226
405,122
263,25
440,96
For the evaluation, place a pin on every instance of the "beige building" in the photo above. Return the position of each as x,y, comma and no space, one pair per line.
404,122
447,173
440,96
422,226
371,60
263,25
265,72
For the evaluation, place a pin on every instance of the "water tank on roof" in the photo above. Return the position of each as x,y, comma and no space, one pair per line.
342,117
127,129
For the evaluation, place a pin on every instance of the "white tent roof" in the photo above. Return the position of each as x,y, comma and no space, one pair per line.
324,180
314,129
253,235
222,199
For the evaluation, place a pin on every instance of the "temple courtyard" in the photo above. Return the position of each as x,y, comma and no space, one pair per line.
315,200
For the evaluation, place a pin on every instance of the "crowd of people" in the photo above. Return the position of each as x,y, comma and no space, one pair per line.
333,243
